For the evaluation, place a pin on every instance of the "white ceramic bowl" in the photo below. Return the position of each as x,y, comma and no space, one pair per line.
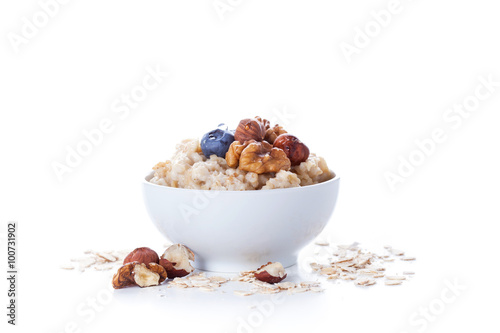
231,231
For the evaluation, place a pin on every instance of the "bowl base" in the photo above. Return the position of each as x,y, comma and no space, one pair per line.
236,267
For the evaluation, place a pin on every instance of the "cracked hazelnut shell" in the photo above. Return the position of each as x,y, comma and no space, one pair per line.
125,276
140,274
176,261
272,272
147,275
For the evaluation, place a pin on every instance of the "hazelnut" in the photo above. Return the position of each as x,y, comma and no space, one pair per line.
125,276
147,275
294,149
140,274
272,272
176,261
249,129
143,255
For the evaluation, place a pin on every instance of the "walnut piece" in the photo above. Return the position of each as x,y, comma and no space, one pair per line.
265,123
261,157
234,153
273,133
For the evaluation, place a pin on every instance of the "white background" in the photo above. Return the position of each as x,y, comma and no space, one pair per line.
262,57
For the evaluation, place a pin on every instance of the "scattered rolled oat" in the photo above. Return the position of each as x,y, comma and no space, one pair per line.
352,263
297,290
243,292
285,285
104,267
67,266
365,282
99,260
106,256
268,288
347,262
198,280
218,279
395,277
84,263
397,252
393,282
327,271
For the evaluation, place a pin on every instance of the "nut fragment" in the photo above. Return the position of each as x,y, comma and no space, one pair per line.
272,272
262,157
234,153
295,150
125,276
176,261
135,273
266,124
273,133
249,129
147,275
143,255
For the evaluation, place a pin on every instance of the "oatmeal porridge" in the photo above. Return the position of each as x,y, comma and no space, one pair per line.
256,157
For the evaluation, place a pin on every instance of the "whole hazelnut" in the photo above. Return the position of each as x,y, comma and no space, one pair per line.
296,151
143,255
249,129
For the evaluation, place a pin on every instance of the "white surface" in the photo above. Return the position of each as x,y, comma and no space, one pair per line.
233,231
361,116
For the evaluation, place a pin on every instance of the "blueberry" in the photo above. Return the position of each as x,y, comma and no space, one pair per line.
217,142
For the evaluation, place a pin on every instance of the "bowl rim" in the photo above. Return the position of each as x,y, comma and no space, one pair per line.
146,182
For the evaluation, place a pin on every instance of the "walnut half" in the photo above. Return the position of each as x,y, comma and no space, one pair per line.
261,157
234,153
